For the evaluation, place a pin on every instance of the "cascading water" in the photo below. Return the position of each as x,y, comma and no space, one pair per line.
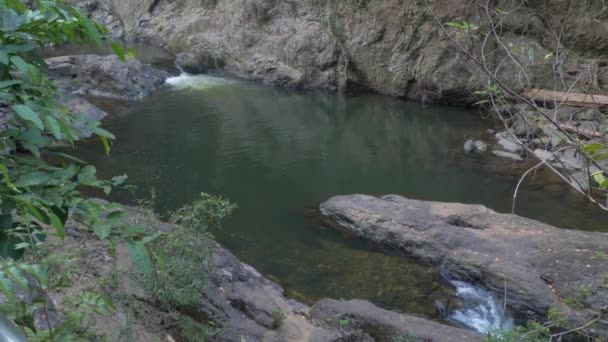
185,80
476,308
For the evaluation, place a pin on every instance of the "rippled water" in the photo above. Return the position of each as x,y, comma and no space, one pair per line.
280,153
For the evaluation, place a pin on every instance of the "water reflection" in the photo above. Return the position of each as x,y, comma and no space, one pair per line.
279,153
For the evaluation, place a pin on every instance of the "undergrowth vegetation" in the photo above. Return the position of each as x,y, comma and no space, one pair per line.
177,275
41,195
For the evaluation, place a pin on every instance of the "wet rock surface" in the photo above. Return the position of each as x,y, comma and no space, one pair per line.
249,305
105,76
367,322
542,265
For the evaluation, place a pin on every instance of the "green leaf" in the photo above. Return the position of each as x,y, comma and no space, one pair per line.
118,50
32,179
27,114
140,256
22,65
10,83
131,53
7,178
11,20
102,229
118,180
87,174
39,272
93,33
3,57
57,224
70,157
152,237
7,286
17,275
592,148
103,133
53,126
106,145
15,48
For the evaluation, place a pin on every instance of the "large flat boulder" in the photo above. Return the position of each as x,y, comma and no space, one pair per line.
542,266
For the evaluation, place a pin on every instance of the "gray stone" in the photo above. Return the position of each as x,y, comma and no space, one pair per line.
580,180
561,113
480,146
591,115
509,145
105,76
544,155
525,124
372,323
588,127
469,146
504,154
569,159
556,136
474,244
45,319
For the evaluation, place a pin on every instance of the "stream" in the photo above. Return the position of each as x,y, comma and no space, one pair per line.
279,153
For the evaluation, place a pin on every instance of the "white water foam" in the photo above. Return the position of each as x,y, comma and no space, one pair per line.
200,82
481,311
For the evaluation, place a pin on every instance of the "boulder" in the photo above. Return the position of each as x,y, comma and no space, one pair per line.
592,114
371,323
525,126
480,146
469,146
509,155
543,266
507,143
247,305
105,76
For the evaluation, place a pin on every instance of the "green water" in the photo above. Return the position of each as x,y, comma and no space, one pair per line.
280,153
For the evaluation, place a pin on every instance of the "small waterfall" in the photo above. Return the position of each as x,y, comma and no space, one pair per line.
480,310
474,307
196,81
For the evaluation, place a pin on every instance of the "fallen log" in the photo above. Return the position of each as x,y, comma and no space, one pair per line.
554,98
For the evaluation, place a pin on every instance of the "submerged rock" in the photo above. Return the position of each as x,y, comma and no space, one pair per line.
542,265
509,155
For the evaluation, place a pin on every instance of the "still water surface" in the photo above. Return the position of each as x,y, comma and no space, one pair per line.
280,153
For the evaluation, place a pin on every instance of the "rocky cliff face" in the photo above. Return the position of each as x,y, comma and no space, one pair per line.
388,46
